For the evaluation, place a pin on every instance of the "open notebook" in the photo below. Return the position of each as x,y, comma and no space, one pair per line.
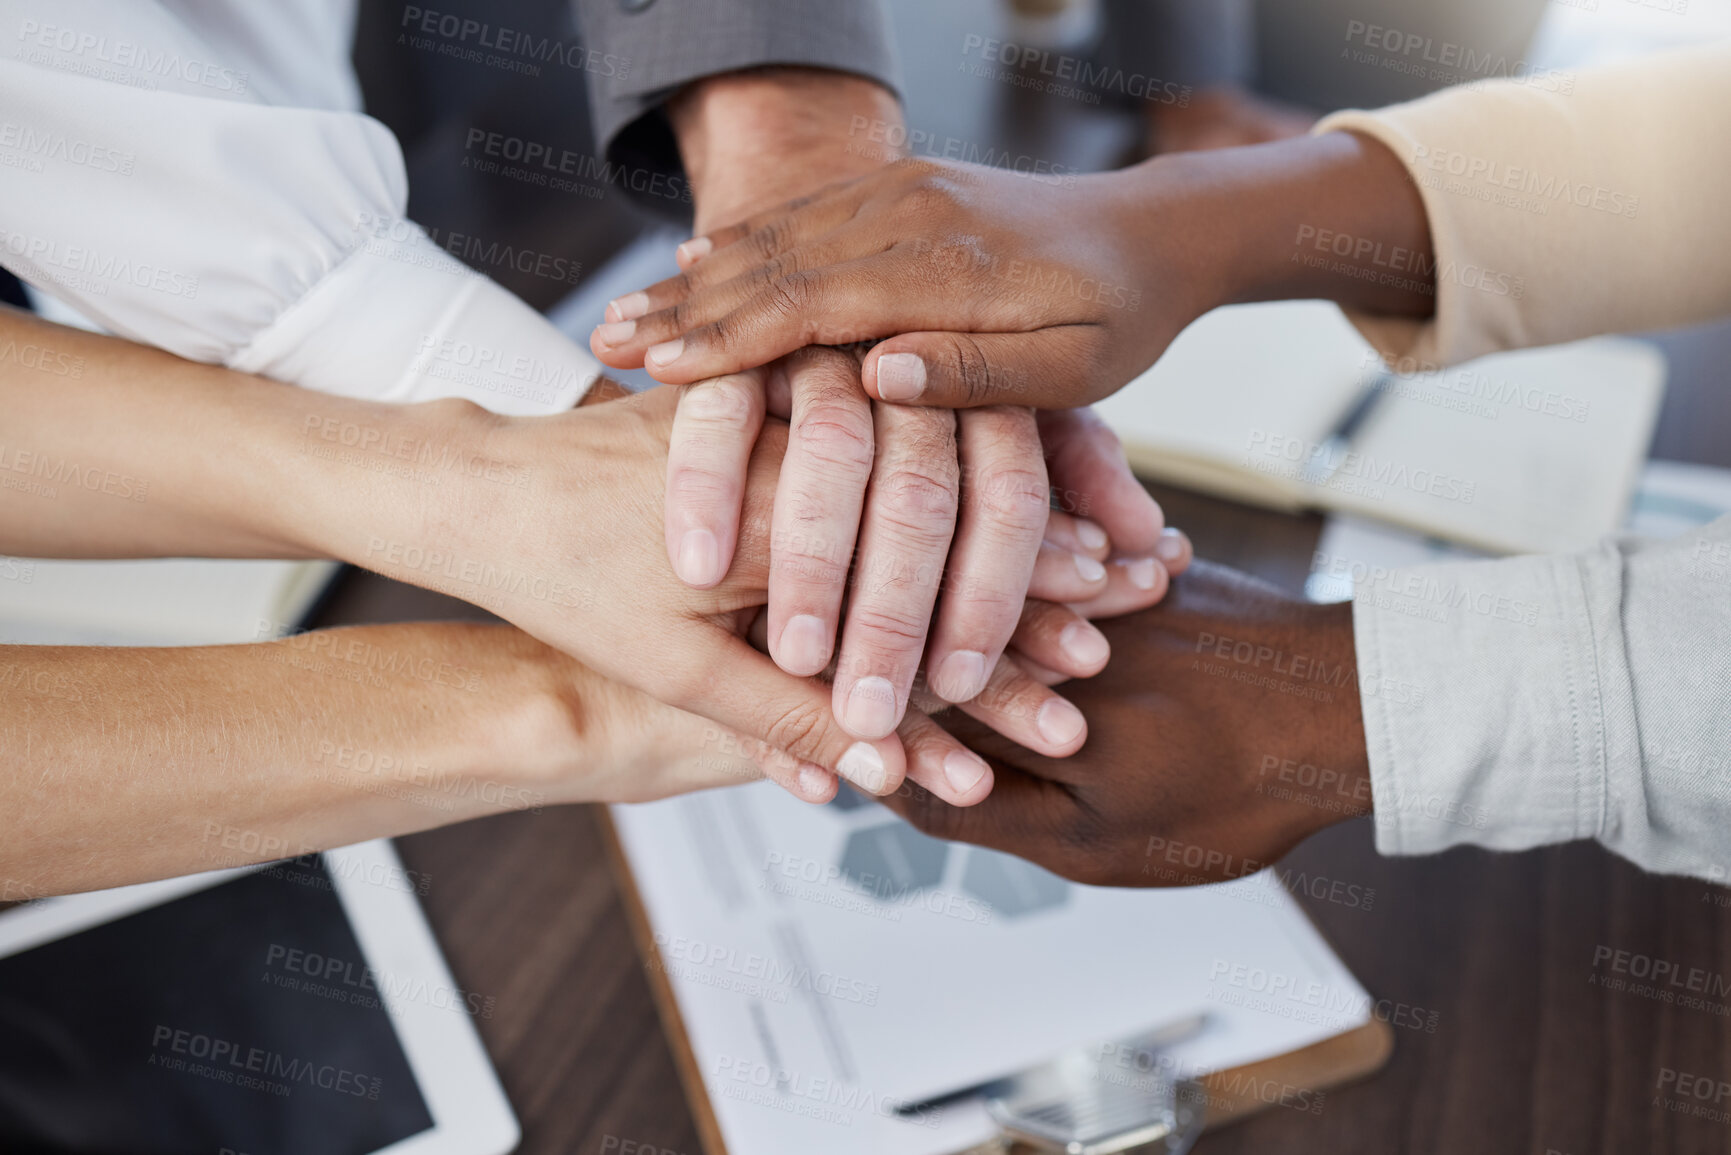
1529,452
155,603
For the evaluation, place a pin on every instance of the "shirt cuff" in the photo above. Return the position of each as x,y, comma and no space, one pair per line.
400,320
1410,345
1496,699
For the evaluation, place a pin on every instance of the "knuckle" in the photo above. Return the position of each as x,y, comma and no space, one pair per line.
840,449
721,333
933,196
888,627
788,263
919,502
770,238
792,295
810,562
983,606
694,485
722,401
836,437
1012,499
796,727
921,440
672,292
974,373
683,316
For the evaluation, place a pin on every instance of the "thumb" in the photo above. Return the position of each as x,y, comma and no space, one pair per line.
1054,368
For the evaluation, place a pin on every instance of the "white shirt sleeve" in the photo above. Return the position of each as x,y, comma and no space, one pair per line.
148,187
1559,698
1568,697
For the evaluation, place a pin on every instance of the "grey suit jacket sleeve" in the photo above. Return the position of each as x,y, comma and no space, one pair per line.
669,43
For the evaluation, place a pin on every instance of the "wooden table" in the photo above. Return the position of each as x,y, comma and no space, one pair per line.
1527,1055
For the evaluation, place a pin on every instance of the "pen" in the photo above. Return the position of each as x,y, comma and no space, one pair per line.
1328,455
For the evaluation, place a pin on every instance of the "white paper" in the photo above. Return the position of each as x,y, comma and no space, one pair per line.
818,1000
1670,498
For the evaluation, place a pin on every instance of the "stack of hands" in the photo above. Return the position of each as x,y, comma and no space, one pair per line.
789,561
947,517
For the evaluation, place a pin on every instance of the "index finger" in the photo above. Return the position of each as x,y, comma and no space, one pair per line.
708,454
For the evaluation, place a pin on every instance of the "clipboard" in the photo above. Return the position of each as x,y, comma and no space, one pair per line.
1231,1095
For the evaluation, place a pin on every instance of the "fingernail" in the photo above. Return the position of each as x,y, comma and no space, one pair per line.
804,647
696,248
813,780
1141,572
863,766
901,376
1059,722
963,770
1091,570
616,332
1090,535
699,558
629,307
1170,546
1085,645
666,353
961,676
871,708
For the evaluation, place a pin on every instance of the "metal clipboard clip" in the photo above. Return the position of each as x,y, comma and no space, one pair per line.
1086,1102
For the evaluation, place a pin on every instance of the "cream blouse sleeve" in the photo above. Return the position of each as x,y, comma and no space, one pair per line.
1566,204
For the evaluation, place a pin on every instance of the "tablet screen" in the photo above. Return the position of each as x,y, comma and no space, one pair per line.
241,1018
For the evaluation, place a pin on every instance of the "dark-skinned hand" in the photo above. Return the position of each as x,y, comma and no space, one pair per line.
1225,731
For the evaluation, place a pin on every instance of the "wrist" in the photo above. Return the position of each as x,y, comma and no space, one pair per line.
1165,206
498,720
360,482
1317,217
790,130
554,732
1333,733
1334,213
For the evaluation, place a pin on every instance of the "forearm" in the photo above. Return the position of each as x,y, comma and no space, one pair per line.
118,450
1332,217
131,764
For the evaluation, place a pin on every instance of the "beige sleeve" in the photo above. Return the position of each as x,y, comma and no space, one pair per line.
1564,205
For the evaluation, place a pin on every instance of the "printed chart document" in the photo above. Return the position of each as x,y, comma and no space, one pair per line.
832,964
